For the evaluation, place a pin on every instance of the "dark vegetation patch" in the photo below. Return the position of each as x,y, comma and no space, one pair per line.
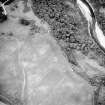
3,17
68,27
65,26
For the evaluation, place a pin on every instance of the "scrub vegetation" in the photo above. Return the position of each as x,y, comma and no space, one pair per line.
69,27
